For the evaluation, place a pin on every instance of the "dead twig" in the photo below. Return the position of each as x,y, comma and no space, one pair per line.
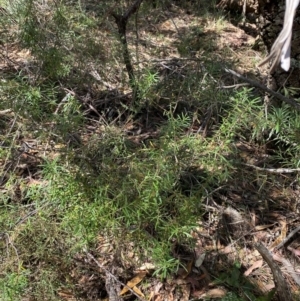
91,257
274,170
235,86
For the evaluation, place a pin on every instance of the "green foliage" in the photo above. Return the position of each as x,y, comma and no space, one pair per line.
145,192
166,264
13,285
284,129
59,36
35,102
143,198
235,280
44,30
285,122
146,82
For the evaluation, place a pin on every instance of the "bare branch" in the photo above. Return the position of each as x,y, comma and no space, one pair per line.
258,85
274,170
283,289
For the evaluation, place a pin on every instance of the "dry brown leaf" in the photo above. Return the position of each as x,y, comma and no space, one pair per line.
133,282
214,293
269,287
66,295
262,227
137,291
154,295
254,266
151,296
188,269
228,249
157,287
296,252
283,229
282,235
185,290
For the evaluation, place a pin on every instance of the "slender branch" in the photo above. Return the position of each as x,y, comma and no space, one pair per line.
282,287
122,21
258,85
134,7
122,24
274,170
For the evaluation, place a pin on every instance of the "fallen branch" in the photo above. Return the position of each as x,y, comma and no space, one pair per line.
274,170
282,287
262,87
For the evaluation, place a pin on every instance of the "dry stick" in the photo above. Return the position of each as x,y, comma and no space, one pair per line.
282,287
288,238
274,170
260,86
235,86
90,256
